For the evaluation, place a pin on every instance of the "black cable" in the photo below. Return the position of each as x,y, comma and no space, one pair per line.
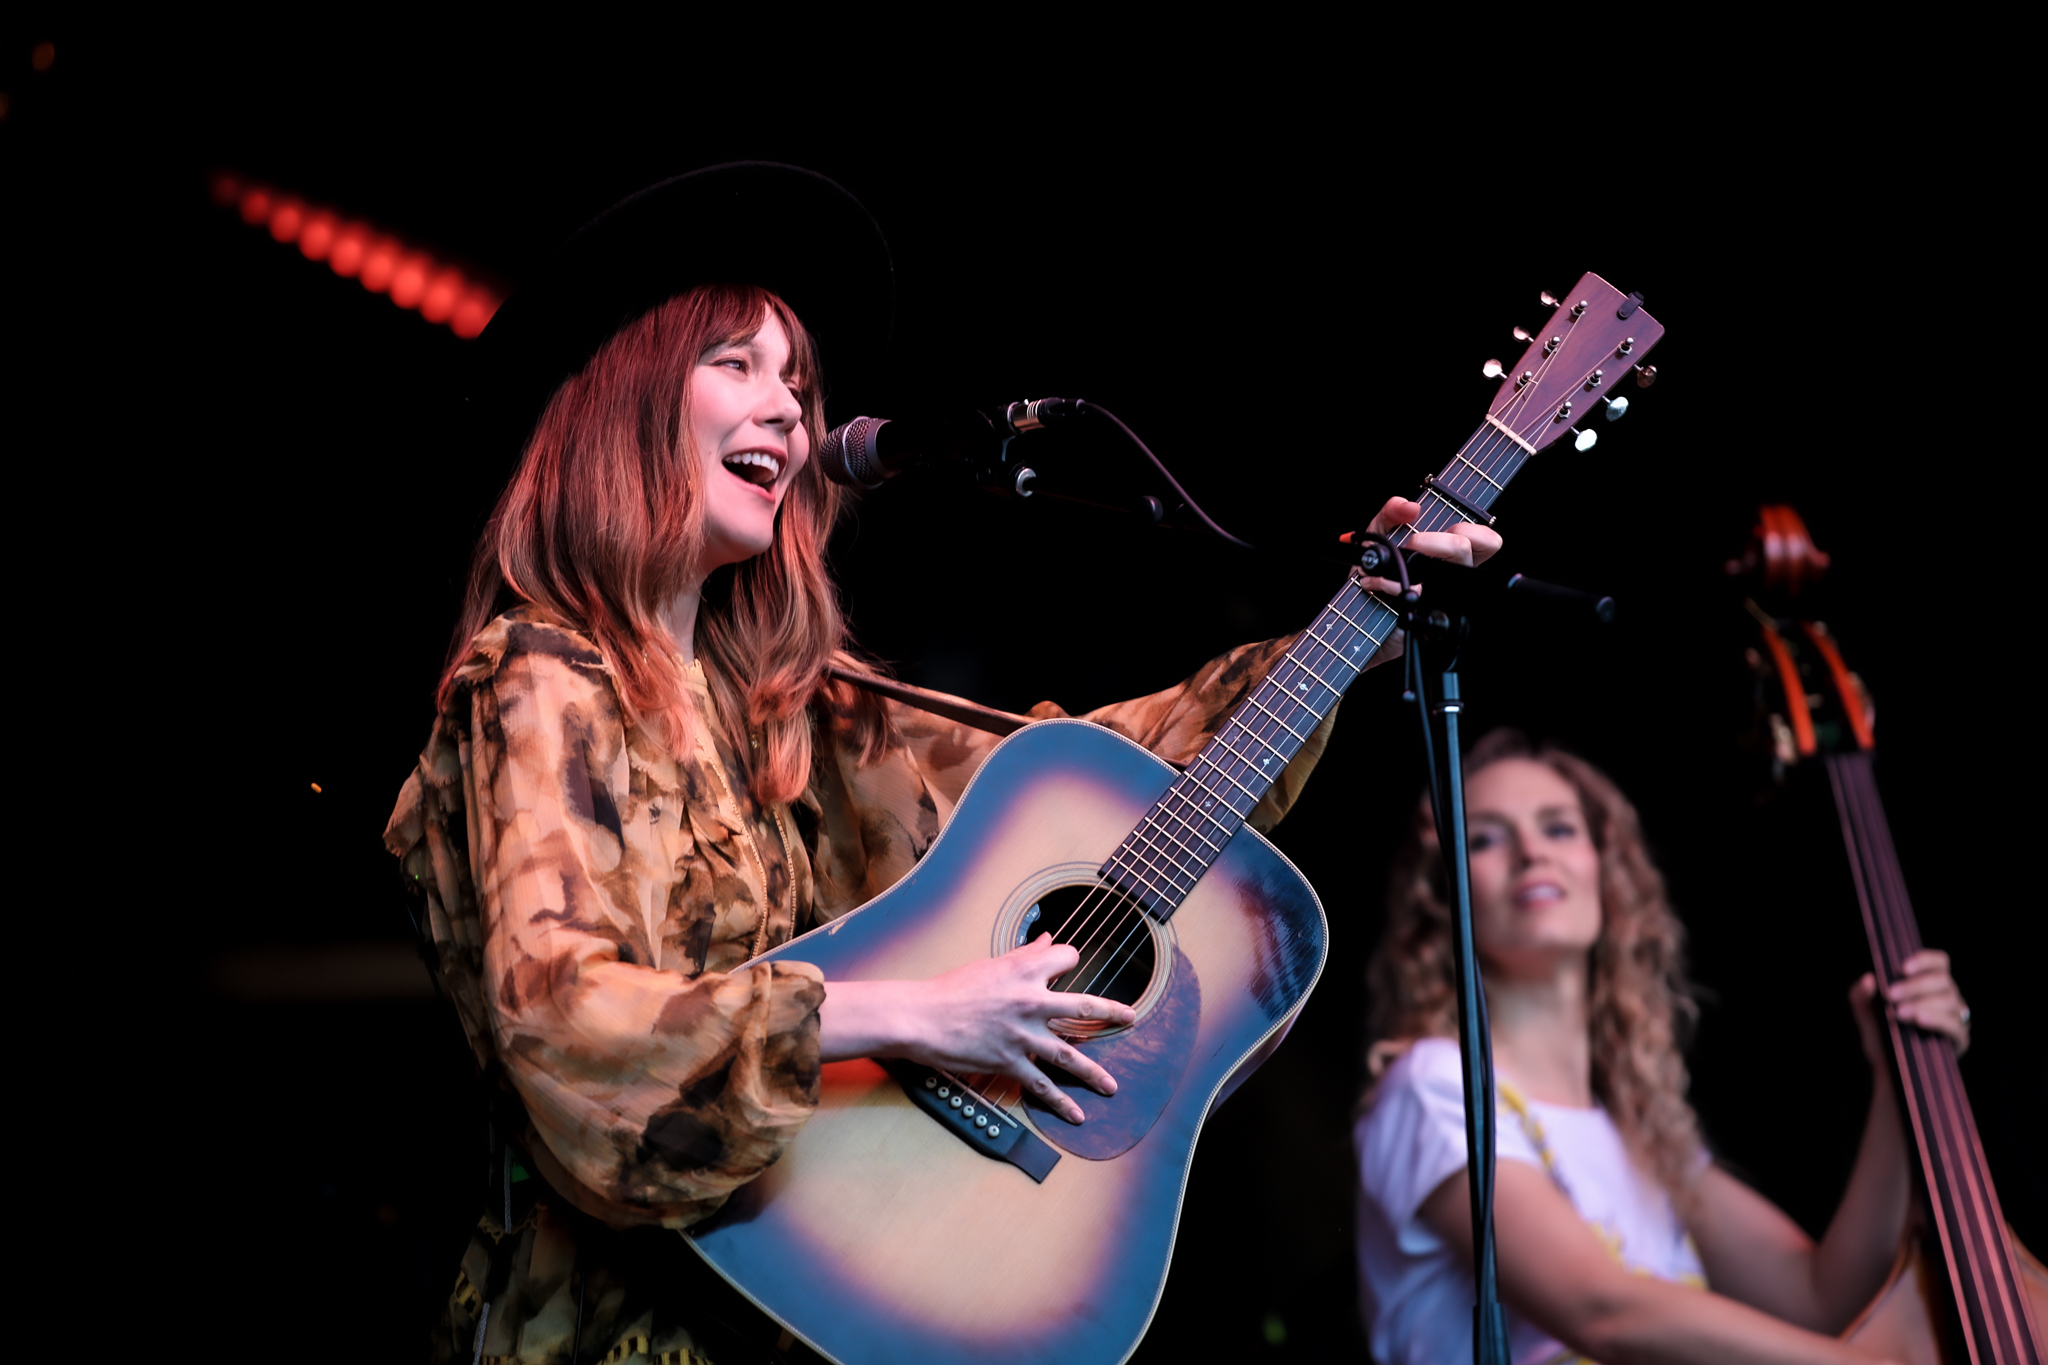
1083,405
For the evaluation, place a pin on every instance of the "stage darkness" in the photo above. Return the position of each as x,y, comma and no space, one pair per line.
1290,296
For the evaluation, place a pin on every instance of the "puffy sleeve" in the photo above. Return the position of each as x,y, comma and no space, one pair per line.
651,1095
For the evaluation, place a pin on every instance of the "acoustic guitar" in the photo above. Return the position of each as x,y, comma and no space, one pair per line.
1963,1288
919,1216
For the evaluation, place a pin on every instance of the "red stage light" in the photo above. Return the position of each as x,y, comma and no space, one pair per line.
316,238
256,205
473,312
409,279
286,220
380,263
444,291
351,242
355,250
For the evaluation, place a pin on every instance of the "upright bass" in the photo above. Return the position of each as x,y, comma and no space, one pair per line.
1983,1298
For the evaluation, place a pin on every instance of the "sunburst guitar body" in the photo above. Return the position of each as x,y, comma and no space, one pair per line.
882,1235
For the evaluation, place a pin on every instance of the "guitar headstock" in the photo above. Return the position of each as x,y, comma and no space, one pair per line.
1576,362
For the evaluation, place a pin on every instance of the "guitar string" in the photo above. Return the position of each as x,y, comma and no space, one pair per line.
1479,482
1142,847
1119,957
1476,456
1478,459
1429,519
1139,847
1278,679
1966,1201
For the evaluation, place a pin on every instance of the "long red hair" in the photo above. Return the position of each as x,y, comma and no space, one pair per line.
603,523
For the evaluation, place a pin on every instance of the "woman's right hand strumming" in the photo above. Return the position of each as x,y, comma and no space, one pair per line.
991,1016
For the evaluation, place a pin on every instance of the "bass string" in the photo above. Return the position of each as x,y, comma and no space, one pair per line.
1966,1201
1993,1264
1895,939
1969,1203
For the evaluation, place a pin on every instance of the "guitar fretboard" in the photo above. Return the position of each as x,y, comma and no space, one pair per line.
1160,861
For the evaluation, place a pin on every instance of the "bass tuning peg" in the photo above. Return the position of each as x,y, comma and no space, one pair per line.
1550,300
1493,369
1646,375
1617,408
1583,440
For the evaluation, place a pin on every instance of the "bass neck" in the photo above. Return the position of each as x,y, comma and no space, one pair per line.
1992,1302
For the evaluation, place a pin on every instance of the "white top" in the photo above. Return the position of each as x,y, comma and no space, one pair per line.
1414,1291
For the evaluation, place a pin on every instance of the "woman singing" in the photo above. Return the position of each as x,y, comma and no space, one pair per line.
642,775
1618,1239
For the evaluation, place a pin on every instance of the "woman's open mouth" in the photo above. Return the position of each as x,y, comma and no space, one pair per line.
757,467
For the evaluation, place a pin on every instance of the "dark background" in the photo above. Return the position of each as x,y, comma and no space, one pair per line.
1282,263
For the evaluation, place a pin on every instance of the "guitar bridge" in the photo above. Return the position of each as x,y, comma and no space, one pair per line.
967,1114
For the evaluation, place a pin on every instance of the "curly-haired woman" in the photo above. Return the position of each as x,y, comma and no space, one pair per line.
1618,1238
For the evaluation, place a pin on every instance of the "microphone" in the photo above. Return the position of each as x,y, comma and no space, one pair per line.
867,450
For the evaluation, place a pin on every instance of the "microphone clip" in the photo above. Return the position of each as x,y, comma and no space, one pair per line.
1035,414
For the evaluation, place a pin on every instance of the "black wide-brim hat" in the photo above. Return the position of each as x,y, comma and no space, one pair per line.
786,229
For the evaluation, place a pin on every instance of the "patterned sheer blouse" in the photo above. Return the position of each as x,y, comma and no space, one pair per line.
594,901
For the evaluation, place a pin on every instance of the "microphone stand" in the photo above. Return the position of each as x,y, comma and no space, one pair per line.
1447,803
1446,774
1475,1039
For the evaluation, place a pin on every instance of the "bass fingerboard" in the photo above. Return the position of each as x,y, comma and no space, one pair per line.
1160,861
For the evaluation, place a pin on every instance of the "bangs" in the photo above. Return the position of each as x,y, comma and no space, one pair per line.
734,314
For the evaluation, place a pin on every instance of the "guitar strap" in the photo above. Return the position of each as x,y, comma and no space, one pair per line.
938,703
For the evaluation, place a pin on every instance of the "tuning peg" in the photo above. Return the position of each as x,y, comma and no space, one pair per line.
1493,369
1583,440
1646,375
1617,408
1522,334
1550,300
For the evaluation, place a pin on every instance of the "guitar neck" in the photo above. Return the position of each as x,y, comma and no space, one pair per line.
1991,1299
1160,861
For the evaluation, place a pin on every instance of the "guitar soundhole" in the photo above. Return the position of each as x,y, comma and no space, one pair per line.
1111,931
